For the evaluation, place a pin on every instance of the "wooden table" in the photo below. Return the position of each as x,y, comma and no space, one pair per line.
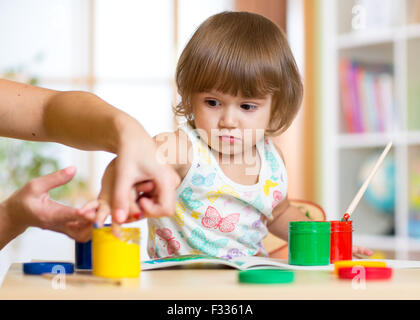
209,284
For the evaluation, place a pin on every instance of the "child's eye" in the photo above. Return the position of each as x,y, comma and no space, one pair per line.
248,106
212,102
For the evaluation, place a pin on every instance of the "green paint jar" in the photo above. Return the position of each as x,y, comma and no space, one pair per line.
309,243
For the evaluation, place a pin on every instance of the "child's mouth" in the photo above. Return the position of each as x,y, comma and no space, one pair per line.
228,139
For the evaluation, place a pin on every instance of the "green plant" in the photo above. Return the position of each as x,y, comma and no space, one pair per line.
22,161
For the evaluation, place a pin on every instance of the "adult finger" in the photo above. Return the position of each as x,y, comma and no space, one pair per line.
120,194
79,231
50,181
57,215
116,229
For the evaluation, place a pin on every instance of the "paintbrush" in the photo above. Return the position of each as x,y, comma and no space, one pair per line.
364,186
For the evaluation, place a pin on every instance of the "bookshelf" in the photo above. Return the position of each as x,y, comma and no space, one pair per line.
375,38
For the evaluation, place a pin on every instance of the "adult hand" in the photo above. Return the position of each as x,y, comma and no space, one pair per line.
139,168
31,206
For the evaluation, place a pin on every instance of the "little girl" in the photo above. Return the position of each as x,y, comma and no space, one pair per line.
239,85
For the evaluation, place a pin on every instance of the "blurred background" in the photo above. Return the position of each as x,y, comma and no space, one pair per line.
358,60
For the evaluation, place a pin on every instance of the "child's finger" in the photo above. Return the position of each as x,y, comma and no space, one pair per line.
145,187
163,204
89,206
136,216
362,251
89,210
102,213
149,208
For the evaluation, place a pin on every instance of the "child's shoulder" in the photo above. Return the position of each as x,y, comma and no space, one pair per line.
176,149
275,141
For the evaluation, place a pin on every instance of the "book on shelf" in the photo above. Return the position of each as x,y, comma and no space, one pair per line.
367,97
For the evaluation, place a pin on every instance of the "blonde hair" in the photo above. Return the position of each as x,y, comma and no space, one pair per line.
241,52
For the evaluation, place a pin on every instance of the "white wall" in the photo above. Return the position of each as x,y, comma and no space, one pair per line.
134,62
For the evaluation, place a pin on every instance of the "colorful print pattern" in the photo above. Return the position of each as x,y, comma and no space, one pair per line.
216,216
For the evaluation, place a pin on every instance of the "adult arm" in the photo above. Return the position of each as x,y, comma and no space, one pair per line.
83,120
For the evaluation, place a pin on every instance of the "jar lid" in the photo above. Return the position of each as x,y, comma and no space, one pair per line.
370,273
131,234
346,226
266,276
357,263
310,226
48,267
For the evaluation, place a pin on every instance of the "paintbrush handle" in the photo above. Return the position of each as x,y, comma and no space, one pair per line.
363,188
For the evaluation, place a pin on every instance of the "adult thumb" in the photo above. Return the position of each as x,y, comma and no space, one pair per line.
55,179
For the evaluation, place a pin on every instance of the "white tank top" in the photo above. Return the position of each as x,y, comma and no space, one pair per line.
213,214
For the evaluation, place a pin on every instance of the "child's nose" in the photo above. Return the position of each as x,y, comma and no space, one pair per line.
228,119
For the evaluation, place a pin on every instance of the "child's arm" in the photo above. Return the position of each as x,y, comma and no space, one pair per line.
284,213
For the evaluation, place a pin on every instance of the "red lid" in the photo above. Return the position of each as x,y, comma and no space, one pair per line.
369,273
341,226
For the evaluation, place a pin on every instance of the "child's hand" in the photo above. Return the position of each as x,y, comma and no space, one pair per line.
98,210
358,250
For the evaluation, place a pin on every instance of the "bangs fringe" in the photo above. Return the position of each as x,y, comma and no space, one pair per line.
233,75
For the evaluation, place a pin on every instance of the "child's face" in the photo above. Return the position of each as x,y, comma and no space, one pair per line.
232,124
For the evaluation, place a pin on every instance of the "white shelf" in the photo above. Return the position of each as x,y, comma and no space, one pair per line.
343,153
377,140
373,37
412,31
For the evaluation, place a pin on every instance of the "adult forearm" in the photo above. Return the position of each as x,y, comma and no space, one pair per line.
83,120
75,118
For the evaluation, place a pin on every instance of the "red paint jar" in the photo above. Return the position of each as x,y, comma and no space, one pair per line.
341,240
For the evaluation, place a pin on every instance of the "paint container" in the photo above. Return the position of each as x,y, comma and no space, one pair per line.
309,243
113,257
341,240
83,255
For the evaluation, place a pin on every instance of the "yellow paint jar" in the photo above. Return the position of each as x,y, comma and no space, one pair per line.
113,257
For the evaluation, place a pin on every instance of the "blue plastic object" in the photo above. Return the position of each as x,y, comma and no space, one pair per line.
48,267
83,253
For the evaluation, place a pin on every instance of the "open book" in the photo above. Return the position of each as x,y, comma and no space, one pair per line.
252,262
241,263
